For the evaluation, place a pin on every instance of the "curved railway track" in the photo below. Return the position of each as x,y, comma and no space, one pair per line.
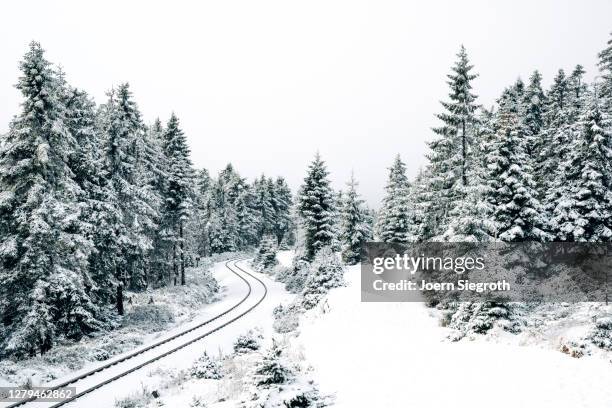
75,380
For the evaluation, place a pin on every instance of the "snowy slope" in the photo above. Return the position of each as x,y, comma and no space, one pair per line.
394,355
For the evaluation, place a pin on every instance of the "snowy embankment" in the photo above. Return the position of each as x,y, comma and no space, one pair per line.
150,315
397,355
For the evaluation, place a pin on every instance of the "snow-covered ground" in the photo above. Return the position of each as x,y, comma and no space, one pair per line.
174,308
150,376
397,355
182,393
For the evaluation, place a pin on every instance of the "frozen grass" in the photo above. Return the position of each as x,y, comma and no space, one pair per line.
171,306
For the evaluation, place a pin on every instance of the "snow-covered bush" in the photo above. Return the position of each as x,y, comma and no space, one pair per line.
250,341
206,368
138,399
100,354
273,369
295,277
150,315
286,318
266,254
480,317
306,398
197,402
326,272
601,335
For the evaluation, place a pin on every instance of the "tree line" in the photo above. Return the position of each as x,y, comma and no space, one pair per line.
93,201
535,167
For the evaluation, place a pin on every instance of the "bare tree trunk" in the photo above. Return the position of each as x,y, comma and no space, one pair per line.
174,267
464,154
120,298
182,246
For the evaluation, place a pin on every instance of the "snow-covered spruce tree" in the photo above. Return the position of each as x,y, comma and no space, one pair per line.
45,285
123,131
283,203
394,218
247,219
534,102
248,342
264,206
157,176
98,204
562,131
222,224
470,219
273,369
511,190
316,207
197,228
584,213
578,89
450,154
355,224
326,272
206,368
605,67
556,138
266,254
421,226
179,191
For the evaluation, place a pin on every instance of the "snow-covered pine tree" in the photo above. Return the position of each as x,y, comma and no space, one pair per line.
179,191
98,205
584,213
223,222
470,219
156,168
534,102
198,225
605,67
355,224
511,189
568,97
316,207
578,87
283,203
556,137
266,254
326,272
264,206
123,130
273,369
45,285
394,217
450,154
420,224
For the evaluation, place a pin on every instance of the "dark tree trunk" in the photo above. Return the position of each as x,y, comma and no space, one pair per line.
464,154
174,266
120,299
182,245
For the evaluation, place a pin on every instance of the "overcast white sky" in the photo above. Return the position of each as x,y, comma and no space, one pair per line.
264,84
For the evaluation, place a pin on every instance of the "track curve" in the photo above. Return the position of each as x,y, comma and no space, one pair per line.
159,343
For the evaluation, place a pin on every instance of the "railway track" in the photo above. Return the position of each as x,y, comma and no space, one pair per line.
75,381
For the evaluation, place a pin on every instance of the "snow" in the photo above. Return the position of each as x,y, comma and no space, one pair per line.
285,258
220,342
395,355
175,308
